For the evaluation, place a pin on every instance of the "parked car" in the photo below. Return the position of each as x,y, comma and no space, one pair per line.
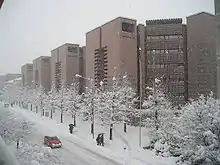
52,141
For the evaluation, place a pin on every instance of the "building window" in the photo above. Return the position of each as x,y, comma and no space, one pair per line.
29,68
127,27
72,49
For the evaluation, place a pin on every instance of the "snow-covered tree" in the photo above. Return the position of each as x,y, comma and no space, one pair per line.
114,105
159,116
39,99
61,101
52,101
200,131
74,101
88,101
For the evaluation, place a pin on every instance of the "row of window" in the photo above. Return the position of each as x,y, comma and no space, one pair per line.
164,30
164,45
167,59
100,65
172,67
164,37
165,51
72,49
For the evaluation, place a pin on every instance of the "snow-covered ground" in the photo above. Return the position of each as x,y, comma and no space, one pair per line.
81,148
32,150
6,158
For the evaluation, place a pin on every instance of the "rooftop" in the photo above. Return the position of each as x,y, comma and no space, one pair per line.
110,22
201,13
164,21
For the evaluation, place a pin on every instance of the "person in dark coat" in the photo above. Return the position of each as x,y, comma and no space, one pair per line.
102,139
98,140
17,143
71,126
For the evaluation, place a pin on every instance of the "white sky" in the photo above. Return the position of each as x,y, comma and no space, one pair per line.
32,28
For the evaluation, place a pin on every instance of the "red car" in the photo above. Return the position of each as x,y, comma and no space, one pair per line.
52,141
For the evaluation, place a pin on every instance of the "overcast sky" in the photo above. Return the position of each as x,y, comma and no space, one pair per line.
31,28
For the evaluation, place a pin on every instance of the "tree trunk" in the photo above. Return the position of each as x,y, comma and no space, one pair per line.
74,119
31,107
156,116
61,117
36,109
125,127
51,113
92,128
111,128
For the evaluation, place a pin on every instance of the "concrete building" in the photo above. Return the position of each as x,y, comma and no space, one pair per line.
217,17
67,61
1,3
217,7
166,41
202,59
27,75
112,48
41,72
82,69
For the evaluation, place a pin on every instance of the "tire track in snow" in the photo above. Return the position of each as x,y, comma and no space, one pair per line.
94,153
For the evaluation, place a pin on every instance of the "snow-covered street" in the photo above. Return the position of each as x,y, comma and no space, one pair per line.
30,128
32,149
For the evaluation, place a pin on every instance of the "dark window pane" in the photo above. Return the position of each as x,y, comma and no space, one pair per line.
72,49
127,27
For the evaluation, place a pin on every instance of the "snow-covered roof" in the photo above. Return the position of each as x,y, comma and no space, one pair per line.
19,78
14,80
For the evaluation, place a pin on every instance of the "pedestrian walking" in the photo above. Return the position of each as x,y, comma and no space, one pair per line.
71,126
100,139
17,143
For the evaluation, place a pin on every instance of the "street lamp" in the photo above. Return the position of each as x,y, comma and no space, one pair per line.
93,93
140,103
141,92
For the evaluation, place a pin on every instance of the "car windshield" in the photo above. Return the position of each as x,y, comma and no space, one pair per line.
53,138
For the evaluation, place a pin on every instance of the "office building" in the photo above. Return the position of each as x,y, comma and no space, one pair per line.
27,75
164,52
217,17
1,3
112,49
202,59
217,7
41,72
67,61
